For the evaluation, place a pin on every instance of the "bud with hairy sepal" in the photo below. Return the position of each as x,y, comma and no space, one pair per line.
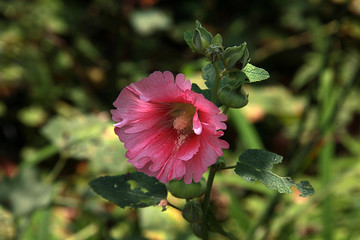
192,212
233,97
233,56
220,162
196,228
201,38
180,189
214,52
245,59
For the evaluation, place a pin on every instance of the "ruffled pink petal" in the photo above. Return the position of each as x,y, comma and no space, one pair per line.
202,103
197,126
209,151
134,109
189,148
144,143
158,148
177,170
163,91
146,126
141,162
156,79
182,84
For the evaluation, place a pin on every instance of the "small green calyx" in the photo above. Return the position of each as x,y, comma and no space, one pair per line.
236,57
233,97
179,189
196,228
220,162
192,212
214,52
201,38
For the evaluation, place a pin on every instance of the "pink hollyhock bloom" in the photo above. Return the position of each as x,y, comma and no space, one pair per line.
169,131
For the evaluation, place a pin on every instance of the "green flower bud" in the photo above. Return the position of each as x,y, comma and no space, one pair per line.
217,40
180,189
196,228
234,55
233,97
220,162
214,52
201,38
192,211
245,59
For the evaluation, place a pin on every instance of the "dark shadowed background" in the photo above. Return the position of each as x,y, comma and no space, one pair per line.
63,63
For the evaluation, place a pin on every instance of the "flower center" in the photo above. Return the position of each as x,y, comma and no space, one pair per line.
182,122
182,115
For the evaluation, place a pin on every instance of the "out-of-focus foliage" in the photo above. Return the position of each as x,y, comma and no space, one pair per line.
24,193
63,63
88,137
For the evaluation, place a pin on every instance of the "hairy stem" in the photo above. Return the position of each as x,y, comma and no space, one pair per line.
171,205
226,109
206,201
227,167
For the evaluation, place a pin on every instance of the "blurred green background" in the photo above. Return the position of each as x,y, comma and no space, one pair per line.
63,63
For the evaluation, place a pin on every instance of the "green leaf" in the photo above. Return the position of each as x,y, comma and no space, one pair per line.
209,75
305,188
188,36
130,190
255,74
256,164
237,79
205,92
233,55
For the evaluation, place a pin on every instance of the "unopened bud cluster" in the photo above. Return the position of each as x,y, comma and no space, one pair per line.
192,211
236,57
233,59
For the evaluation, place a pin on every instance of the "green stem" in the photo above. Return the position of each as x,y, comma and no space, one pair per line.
22,223
171,205
226,109
228,167
216,84
206,201
57,169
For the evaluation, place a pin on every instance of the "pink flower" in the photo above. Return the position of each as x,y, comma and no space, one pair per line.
170,132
